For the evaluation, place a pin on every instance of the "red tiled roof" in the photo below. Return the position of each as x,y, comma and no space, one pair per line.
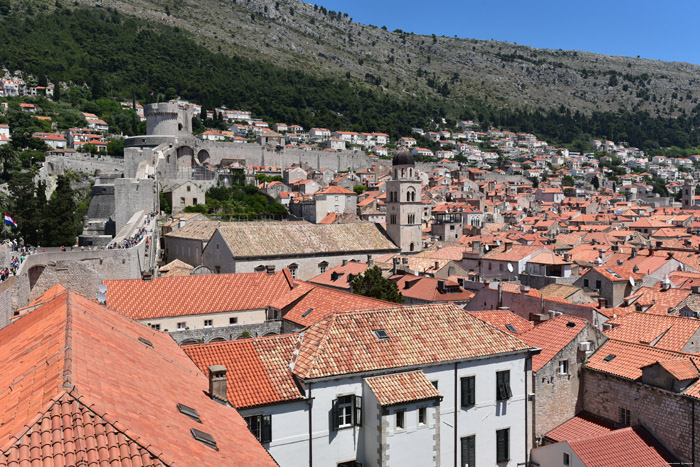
631,446
583,425
341,274
258,369
72,364
665,332
681,368
427,289
400,388
193,295
502,318
345,343
552,336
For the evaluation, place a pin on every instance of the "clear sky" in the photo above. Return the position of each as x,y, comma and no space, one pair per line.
668,31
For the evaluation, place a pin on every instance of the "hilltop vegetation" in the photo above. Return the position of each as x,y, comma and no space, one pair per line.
116,55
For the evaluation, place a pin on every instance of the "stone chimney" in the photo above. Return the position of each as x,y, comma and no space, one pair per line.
345,262
476,246
270,269
370,262
217,383
634,252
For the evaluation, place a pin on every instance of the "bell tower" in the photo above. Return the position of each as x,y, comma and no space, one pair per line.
403,204
688,194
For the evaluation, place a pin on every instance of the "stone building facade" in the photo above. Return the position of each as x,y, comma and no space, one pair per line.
403,204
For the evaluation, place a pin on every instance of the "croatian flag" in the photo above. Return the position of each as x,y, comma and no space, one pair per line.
10,221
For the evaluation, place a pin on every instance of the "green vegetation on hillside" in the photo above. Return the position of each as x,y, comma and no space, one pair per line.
238,202
117,55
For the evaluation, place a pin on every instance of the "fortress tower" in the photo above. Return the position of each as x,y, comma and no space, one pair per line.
403,204
167,119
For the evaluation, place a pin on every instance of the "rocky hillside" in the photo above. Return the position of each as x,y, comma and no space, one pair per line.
310,38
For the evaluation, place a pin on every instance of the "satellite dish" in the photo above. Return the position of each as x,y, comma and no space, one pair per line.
102,289
486,248
102,298
632,281
510,267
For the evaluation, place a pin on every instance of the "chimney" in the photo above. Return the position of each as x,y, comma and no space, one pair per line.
670,254
659,244
370,262
217,383
270,269
601,302
500,294
437,265
476,246
397,261
634,252
695,289
404,261
567,257
620,262
345,262
651,251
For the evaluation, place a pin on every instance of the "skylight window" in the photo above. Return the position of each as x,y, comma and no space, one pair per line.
205,438
610,358
614,274
146,341
510,328
381,334
307,312
189,411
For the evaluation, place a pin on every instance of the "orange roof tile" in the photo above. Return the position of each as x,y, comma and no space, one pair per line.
665,332
552,336
631,446
504,318
400,388
194,295
345,343
72,364
258,369
340,276
428,289
583,425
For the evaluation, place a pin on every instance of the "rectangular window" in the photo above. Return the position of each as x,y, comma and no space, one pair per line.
598,285
566,461
503,391
233,321
400,414
468,391
563,367
207,323
261,427
500,267
468,451
347,411
585,283
435,384
421,415
502,445
155,326
625,417
181,326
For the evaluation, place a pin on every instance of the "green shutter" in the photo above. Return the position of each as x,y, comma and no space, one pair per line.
357,408
468,451
266,429
468,389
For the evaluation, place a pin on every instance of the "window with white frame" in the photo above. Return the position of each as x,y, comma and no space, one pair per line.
181,326
400,419
422,416
563,367
347,411
208,323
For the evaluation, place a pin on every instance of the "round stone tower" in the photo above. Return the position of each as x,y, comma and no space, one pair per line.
167,119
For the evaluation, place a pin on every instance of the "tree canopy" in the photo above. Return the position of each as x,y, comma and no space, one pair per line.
372,284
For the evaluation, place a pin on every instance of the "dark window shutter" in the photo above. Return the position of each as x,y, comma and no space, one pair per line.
502,445
266,429
506,382
357,407
468,385
468,451
335,414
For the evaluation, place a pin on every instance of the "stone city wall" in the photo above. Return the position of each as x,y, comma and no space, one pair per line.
227,333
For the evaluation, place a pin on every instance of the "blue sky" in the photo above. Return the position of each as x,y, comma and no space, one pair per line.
656,30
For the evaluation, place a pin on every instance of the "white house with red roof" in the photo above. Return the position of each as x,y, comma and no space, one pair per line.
53,140
319,135
4,133
423,385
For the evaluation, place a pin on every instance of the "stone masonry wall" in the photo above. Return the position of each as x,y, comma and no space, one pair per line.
227,333
666,415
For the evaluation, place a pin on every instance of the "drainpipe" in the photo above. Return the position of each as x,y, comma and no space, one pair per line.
310,402
527,401
693,432
455,418
500,294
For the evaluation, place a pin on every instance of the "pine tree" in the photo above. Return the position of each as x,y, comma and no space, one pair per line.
373,284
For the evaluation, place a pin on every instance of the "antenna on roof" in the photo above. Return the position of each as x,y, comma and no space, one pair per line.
101,294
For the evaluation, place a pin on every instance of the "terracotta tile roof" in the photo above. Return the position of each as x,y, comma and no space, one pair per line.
200,230
664,332
658,301
340,276
629,359
504,318
72,364
681,368
258,369
400,388
631,446
259,239
345,343
335,190
427,289
309,303
193,295
175,268
583,425
552,336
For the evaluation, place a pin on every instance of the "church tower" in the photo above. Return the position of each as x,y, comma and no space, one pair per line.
688,194
403,204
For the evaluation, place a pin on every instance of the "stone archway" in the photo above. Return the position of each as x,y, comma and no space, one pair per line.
218,339
34,274
185,159
202,157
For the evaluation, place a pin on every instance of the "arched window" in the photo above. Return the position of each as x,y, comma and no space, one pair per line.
411,247
260,268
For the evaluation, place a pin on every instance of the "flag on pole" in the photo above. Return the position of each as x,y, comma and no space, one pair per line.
10,221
